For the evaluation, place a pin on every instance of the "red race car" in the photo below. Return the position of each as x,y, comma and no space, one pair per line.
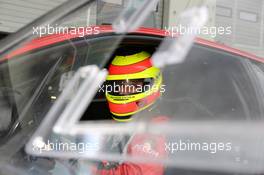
213,83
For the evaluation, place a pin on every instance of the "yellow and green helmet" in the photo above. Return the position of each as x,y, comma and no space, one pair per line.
133,84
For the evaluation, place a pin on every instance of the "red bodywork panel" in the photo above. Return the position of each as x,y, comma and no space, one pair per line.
56,38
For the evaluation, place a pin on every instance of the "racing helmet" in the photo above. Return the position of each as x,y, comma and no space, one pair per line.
133,84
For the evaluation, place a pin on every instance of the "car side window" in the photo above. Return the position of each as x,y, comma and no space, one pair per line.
212,84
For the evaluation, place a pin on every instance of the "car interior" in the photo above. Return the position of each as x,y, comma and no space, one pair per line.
195,84
193,89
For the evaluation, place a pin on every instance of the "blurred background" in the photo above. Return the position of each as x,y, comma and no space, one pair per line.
246,17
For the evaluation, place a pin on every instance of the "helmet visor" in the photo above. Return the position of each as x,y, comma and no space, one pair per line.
128,86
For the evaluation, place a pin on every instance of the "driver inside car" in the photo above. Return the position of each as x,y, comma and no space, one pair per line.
133,85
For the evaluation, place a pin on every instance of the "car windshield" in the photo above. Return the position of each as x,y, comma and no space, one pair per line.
220,79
